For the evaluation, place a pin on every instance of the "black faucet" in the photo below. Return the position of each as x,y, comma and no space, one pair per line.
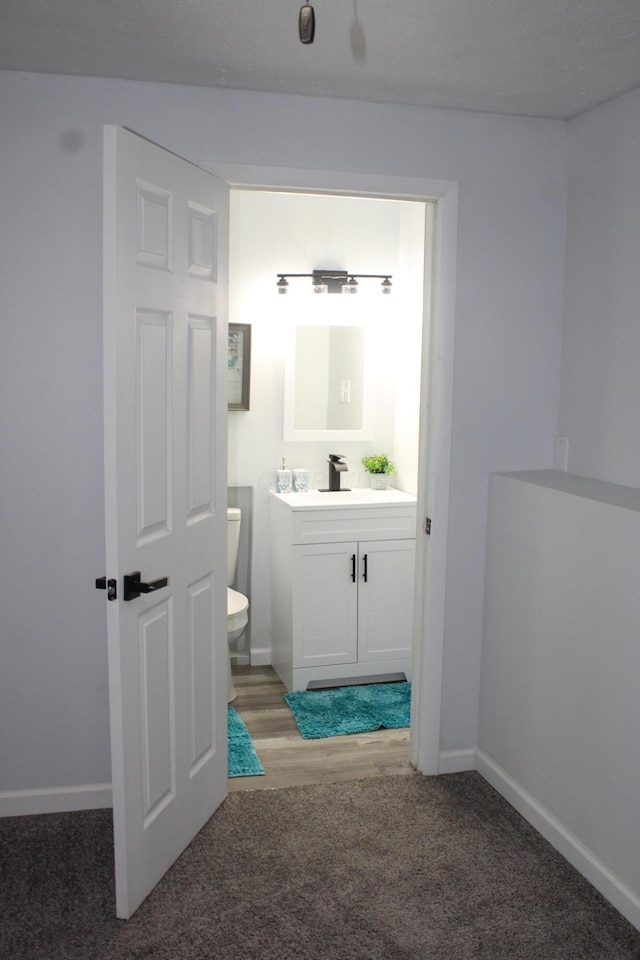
336,467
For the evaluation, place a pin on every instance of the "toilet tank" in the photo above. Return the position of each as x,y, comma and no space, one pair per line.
233,540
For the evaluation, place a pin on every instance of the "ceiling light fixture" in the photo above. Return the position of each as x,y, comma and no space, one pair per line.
335,281
306,24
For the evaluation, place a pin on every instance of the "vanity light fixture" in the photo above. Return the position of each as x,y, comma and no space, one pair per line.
335,281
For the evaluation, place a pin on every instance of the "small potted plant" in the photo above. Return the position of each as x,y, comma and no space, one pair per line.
379,467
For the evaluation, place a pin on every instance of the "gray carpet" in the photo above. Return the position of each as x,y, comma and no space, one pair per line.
399,867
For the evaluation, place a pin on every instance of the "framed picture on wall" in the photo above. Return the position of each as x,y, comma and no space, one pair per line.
239,365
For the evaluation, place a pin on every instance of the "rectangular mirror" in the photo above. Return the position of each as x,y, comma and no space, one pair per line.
326,396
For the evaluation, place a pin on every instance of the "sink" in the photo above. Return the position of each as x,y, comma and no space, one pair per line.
358,497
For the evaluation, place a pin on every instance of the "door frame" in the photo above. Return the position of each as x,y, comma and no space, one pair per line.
436,403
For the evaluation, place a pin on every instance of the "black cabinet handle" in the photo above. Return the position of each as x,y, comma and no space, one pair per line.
364,567
133,586
353,568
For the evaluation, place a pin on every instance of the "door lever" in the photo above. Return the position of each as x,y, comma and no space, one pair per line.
133,586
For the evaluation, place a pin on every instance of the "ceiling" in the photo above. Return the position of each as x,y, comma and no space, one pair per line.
536,58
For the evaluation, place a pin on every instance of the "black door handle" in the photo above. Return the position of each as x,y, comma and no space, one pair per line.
353,568
364,567
133,586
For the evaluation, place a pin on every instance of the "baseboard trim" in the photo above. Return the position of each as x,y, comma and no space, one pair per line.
580,856
456,761
19,803
260,657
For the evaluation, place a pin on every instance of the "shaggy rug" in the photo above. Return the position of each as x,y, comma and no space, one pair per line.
243,761
359,709
396,868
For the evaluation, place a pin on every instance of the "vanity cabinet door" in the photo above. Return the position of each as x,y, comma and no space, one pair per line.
325,604
386,590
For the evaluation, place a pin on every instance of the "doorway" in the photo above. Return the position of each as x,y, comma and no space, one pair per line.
271,232
440,199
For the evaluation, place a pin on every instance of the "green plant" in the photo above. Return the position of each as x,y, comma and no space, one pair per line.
378,464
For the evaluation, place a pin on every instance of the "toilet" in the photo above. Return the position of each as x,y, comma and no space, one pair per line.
237,603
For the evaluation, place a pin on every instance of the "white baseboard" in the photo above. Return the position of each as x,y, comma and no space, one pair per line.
580,856
456,761
240,659
260,657
19,803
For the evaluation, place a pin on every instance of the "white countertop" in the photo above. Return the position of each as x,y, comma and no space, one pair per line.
358,497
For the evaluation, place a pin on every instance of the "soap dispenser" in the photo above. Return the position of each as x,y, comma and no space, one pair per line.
283,479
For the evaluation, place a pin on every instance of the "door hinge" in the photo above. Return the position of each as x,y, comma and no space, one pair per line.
111,586
427,526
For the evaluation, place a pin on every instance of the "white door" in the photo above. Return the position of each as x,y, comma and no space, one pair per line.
165,386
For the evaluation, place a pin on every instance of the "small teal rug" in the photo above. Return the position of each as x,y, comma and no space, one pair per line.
243,761
359,709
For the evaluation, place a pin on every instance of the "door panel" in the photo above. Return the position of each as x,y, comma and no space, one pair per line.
158,729
385,616
153,436
201,365
165,334
325,605
201,674
203,237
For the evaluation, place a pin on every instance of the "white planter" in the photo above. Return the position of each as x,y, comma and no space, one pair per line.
379,481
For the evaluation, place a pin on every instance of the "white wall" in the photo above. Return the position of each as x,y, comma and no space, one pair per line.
559,708
295,233
600,396
558,715
511,232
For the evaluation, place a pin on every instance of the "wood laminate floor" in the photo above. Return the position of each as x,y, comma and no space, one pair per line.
288,759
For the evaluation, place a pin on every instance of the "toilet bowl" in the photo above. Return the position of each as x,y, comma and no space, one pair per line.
237,603
237,615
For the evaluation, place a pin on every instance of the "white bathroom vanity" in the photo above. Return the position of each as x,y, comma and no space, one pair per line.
342,585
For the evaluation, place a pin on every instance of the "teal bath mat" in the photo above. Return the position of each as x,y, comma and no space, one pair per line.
332,713
243,760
